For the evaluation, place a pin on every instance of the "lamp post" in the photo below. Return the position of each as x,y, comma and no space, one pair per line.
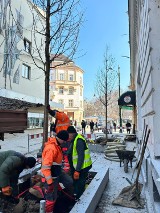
119,89
106,101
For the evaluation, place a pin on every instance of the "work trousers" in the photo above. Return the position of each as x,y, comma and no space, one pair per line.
79,185
67,182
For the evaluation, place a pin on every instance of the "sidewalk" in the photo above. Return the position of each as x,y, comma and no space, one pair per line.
116,183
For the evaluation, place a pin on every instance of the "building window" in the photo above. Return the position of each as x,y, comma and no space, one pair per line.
71,89
61,76
26,71
61,90
35,122
27,46
70,103
61,101
71,77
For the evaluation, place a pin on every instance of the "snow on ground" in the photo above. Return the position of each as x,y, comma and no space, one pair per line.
117,181
19,142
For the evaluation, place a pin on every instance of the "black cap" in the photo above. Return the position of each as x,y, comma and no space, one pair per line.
71,129
63,135
30,161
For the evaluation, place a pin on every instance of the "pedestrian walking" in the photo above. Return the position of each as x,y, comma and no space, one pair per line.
75,123
51,169
128,127
12,163
83,124
79,159
91,126
114,126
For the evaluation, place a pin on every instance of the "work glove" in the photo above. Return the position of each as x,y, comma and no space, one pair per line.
50,188
7,190
76,175
48,107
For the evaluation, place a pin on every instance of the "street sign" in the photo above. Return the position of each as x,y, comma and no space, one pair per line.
127,107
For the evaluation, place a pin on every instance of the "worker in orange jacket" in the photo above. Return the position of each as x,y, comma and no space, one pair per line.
51,169
62,123
62,120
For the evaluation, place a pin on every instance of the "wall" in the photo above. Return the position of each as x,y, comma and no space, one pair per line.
145,70
15,25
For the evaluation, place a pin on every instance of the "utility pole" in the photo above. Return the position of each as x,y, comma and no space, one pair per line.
119,87
106,96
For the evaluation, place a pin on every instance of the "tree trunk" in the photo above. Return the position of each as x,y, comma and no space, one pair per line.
47,73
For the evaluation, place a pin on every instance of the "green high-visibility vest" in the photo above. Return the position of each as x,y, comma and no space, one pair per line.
87,158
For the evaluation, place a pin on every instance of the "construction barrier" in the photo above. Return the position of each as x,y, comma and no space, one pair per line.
34,136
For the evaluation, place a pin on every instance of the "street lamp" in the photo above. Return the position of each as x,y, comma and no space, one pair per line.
119,88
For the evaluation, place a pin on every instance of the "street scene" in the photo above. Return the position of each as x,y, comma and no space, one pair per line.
79,106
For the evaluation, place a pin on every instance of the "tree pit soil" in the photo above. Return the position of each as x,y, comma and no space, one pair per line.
28,203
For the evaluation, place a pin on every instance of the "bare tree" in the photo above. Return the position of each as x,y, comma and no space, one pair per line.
106,81
97,108
61,31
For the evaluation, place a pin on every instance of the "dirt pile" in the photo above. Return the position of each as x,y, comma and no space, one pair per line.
7,204
29,204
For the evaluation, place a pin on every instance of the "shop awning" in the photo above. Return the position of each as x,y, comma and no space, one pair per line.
127,99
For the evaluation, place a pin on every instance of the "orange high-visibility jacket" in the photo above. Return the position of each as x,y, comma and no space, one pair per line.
62,121
51,155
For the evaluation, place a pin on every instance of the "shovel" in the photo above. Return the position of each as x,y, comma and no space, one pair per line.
130,195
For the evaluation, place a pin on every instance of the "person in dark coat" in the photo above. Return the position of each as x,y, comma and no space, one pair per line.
79,160
83,124
12,164
114,126
128,127
91,126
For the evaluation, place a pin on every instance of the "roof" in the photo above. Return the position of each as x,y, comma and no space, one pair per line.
61,58
14,104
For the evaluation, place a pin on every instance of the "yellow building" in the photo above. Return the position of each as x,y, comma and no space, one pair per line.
66,87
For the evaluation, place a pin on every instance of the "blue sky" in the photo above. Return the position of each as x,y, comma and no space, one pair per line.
106,22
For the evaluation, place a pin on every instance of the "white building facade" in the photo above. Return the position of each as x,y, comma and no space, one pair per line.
21,45
66,87
144,16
